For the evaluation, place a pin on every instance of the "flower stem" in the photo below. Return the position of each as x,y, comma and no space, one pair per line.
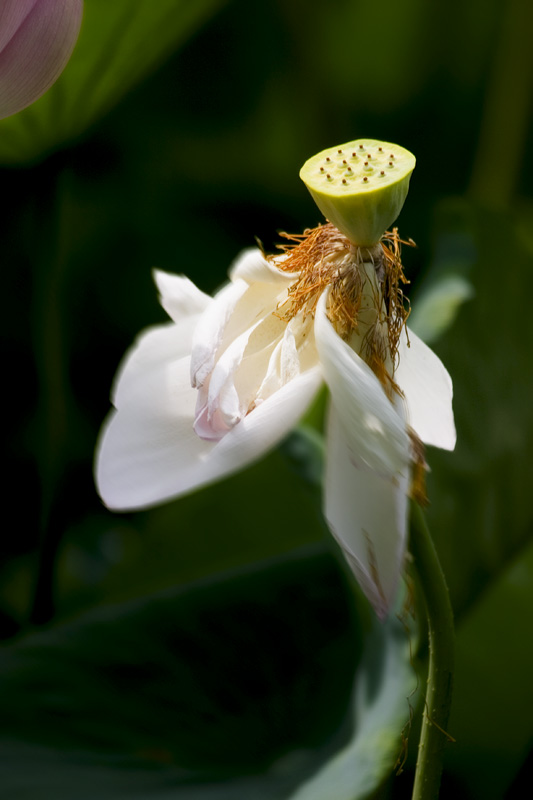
441,659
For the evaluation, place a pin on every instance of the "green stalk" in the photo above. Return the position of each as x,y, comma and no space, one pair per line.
434,734
49,242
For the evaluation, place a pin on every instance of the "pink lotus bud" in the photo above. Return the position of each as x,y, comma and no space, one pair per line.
37,38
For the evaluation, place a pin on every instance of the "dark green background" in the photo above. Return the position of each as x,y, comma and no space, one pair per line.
172,140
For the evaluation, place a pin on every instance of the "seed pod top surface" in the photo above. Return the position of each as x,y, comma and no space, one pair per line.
360,186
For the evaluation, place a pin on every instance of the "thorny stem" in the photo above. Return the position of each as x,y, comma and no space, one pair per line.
434,734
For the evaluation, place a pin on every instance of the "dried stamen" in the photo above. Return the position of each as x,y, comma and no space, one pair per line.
323,257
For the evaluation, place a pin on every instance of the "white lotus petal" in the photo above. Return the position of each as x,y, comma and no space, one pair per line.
252,266
303,330
225,367
428,392
375,432
210,330
271,381
148,451
239,373
208,425
155,346
367,514
266,425
258,303
289,359
222,394
179,296
238,325
256,367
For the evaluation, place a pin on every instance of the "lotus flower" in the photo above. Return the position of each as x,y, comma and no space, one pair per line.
37,38
210,392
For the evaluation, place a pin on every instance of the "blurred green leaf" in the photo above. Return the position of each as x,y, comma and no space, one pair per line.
234,685
446,285
119,44
480,512
221,678
436,309
384,682
491,716
260,513
305,450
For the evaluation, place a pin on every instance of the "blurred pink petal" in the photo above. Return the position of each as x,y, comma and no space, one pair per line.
12,15
37,38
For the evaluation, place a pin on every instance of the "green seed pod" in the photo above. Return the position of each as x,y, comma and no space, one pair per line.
360,186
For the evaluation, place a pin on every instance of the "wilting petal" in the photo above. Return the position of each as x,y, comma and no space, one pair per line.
367,514
222,394
210,331
243,366
428,392
148,448
155,347
148,451
375,433
238,307
251,266
163,343
179,296
41,41
239,373
265,426
258,303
